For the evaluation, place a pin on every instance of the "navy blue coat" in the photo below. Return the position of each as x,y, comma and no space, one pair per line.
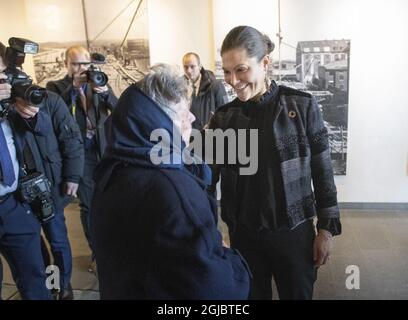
154,227
55,142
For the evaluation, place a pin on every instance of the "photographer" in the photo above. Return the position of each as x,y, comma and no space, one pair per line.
53,155
79,93
56,148
19,228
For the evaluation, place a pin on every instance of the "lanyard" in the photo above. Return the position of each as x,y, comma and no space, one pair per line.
74,96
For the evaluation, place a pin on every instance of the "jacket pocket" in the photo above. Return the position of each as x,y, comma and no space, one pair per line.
296,176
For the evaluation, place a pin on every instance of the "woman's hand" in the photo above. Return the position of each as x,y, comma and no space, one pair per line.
322,247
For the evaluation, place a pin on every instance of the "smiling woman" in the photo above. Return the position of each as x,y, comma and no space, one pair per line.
270,213
246,75
245,67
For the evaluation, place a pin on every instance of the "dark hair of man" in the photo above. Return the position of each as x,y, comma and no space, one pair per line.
193,54
250,39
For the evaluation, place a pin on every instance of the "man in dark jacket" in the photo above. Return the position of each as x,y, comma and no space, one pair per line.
19,229
79,94
154,226
208,93
54,147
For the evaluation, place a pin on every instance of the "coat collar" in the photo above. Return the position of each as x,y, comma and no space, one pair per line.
268,97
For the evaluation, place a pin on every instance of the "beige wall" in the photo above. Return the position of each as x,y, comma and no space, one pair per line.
13,24
179,26
12,19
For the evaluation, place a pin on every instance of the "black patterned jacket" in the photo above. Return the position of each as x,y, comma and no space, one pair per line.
301,140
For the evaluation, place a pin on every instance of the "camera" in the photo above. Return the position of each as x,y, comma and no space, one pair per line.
21,83
94,75
35,189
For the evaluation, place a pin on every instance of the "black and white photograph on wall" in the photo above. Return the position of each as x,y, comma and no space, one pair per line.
320,68
119,35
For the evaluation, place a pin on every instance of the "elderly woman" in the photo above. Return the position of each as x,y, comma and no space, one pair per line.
270,213
155,231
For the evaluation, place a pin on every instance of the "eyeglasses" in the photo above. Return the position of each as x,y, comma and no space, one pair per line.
77,64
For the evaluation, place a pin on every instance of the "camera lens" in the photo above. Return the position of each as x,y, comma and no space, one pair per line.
35,95
99,78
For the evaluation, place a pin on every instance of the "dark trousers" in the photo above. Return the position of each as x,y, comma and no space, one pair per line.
56,232
285,256
85,192
20,246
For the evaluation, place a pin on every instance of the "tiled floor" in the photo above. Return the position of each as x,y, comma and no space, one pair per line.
375,241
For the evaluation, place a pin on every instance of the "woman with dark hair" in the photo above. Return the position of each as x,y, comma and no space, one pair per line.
272,221
154,226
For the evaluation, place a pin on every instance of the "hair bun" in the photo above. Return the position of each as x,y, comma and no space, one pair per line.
269,44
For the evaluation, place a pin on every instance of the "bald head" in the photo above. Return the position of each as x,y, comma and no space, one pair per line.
192,66
75,50
77,59
190,55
